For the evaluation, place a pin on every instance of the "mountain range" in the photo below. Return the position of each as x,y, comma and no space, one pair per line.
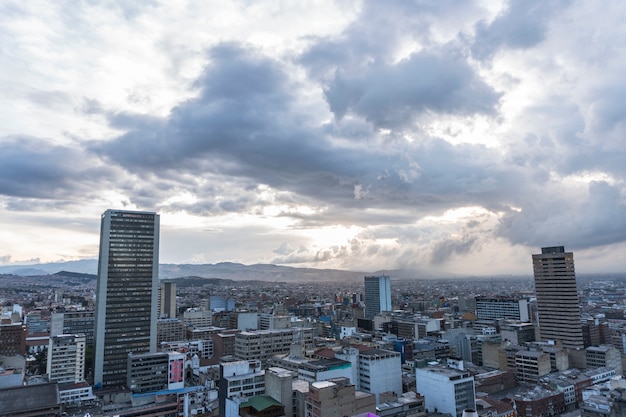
223,270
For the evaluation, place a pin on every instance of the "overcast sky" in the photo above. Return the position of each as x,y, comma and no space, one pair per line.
453,136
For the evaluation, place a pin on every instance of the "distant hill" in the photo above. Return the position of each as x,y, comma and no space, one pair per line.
76,275
87,269
223,270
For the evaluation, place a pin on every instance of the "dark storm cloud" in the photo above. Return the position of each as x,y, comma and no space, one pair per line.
391,95
444,250
521,25
35,168
247,127
375,35
245,123
599,219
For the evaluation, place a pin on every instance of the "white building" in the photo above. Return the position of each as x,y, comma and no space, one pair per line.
240,379
66,358
195,318
374,371
75,394
445,389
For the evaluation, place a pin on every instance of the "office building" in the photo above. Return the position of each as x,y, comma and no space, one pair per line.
12,339
270,321
195,318
517,333
73,322
557,297
263,344
151,372
242,379
531,365
167,299
337,397
494,308
170,330
127,292
278,385
66,358
374,370
603,356
377,295
446,389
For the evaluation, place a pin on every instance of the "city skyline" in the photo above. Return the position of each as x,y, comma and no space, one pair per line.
456,138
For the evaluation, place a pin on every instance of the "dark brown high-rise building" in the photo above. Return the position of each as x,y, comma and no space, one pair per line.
557,297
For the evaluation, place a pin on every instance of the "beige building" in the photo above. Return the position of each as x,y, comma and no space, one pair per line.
604,356
66,358
337,398
263,344
557,297
530,366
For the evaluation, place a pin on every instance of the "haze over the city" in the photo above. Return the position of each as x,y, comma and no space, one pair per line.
449,136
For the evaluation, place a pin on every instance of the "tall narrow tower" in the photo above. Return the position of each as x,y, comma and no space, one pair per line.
127,291
557,297
377,295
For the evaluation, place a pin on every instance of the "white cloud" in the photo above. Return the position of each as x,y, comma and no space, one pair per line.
357,135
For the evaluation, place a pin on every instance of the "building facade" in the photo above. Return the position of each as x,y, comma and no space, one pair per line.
557,297
66,358
127,292
445,389
151,372
494,308
73,322
377,295
167,299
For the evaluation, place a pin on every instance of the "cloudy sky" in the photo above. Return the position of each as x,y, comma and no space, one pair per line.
453,136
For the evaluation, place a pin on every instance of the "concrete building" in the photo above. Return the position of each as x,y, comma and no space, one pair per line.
79,393
532,401
446,389
151,372
494,308
263,344
375,370
167,299
557,297
278,385
12,370
12,339
127,292
337,398
203,348
324,369
530,366
270,322
245,320
240,379
377,295
194,318
517,333
408,404
170,330
603,356
30,400
74,322
66,358
224,343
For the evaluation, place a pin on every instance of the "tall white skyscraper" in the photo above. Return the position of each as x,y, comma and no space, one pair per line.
127,293
377,295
